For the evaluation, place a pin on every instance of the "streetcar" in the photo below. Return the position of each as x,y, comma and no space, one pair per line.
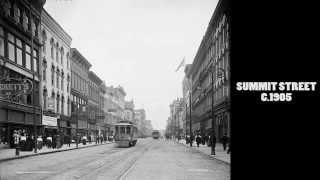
126,134
155,134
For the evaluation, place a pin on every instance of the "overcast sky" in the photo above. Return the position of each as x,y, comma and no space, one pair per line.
137,44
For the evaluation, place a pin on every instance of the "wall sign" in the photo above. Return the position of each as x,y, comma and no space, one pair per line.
13,87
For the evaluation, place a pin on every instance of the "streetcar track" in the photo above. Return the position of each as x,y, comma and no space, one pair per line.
87,170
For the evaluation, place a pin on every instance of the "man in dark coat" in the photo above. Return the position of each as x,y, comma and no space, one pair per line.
198,140
213,141
224,140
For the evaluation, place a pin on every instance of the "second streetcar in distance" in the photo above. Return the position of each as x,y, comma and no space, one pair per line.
155,134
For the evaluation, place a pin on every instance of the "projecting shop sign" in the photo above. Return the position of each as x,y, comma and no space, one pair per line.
49,121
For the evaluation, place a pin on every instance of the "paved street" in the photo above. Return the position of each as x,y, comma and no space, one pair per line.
149,159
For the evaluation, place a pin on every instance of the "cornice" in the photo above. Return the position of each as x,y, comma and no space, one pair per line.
51,24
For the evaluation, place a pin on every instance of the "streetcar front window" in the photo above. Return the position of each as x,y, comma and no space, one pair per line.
122,130
128,130
117,130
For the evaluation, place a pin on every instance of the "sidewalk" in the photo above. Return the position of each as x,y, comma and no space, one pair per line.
9,154
220,154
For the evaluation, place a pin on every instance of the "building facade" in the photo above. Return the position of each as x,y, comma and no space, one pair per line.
210,76
93,105
56,77
129,111
79,93
20,48
114,106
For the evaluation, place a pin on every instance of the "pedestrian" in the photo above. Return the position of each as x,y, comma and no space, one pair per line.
69,140
49,141
224,140
213,141
54,141
191,139
198,139
40,142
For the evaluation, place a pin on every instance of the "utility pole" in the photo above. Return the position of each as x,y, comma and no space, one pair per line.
190,117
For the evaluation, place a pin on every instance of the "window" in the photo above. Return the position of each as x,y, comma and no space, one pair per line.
52,76
44,39
11,47
62,77
57,52
45,94
68,60
122,130
58,104
19,51
62,53
62,105
1,42
35,60
52,48
68,106
128,130
44,71
28,57
57,78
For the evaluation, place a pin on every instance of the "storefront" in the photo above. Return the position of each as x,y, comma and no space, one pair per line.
16,106
50,126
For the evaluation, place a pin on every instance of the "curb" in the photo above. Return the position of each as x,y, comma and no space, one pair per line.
210,156
49,152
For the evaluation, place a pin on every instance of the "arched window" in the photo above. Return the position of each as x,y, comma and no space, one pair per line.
44,40
62,54
44,70
45,94
57,52
68,64
58,73
62,78
53,95
52,74
52,48
62,104
58,103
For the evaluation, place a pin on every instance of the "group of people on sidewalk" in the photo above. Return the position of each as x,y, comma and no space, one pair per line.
211,141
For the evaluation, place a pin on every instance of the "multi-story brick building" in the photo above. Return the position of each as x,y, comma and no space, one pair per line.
20,48
79,92
56,77
210,74
93,104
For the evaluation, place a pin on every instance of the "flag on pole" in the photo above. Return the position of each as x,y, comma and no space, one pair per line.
181,64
